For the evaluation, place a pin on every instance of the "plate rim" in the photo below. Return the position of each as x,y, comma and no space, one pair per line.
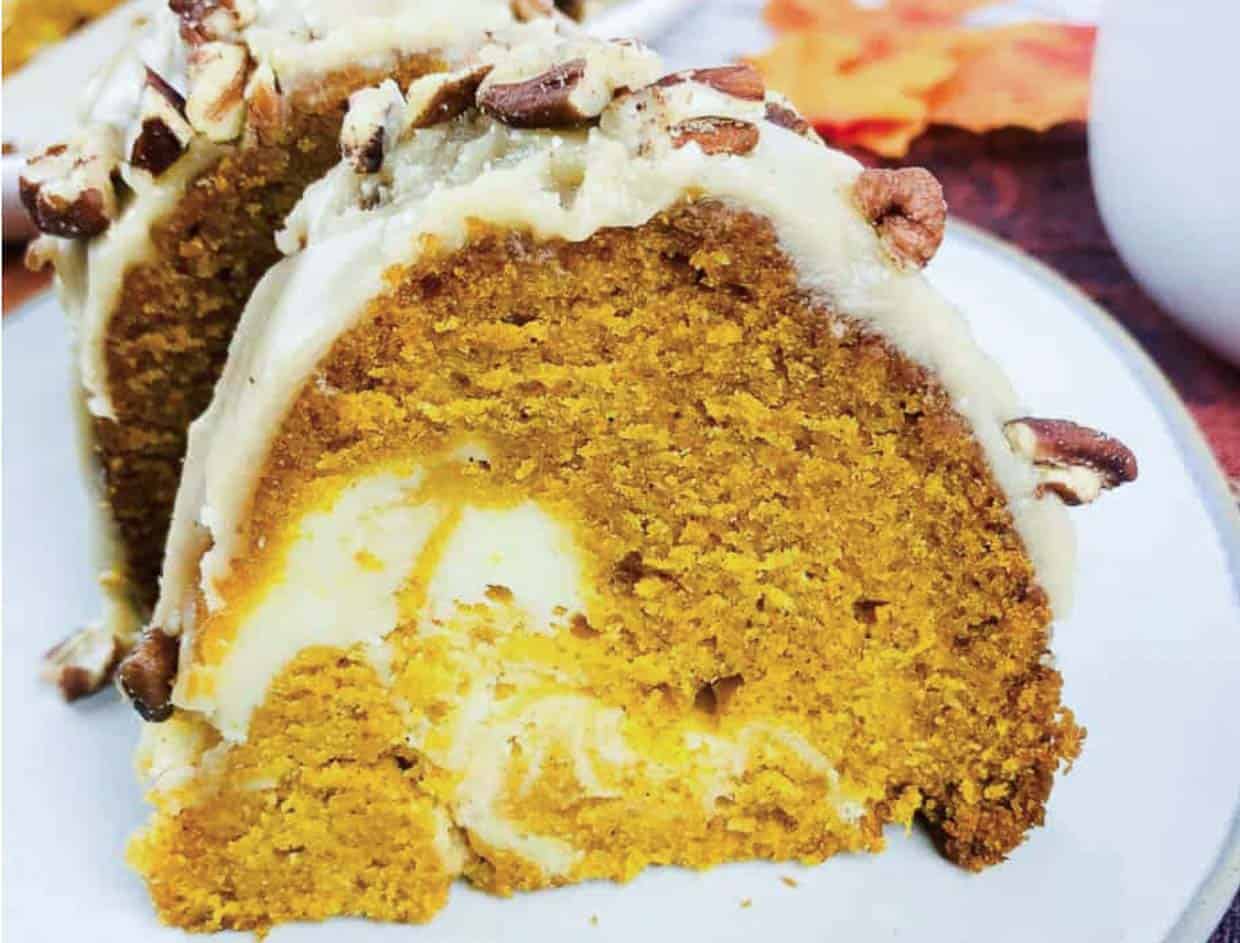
1219,887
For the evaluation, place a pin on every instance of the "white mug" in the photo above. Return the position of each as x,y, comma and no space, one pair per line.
1164,148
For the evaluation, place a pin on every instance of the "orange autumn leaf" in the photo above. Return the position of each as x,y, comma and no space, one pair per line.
876,77
838,16
851,96
932,13
1033,75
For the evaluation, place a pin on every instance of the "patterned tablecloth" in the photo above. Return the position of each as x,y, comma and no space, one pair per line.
1034,190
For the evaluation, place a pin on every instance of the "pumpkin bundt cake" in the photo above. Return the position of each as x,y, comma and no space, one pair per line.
160,218
598,484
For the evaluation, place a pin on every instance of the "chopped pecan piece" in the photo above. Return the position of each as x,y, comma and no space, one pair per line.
1073,461
785,117
526,10
68,190
264,106
907,208
739,81
148,672
544,101
371,125
715,135
217,74
433,99
573,9
205,21
82,663
40,254
164,132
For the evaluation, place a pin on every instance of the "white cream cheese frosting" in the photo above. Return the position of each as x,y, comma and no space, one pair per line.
296,42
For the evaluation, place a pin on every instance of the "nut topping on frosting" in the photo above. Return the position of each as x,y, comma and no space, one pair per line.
82,663
433,99
548,100
217,74
148,672
204,21
371,125
780,114
68,190
1074,462
264,106
739,81
715,135
164,133
907,208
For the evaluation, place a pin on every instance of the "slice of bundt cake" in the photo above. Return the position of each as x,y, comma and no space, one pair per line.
598,484
161,218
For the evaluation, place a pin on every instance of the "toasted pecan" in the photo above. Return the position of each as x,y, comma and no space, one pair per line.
83,663
164,132
148,672
739,81
907,208
716,135
1073,461
544,101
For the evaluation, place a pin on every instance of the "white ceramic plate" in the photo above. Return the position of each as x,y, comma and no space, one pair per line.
1142,842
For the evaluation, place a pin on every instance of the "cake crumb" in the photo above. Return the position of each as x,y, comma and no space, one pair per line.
594,920
746,903
790,881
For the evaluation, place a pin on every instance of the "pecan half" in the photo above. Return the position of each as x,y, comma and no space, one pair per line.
1073,461
82,663
164,133
434,99
715,135
738,81
544,101
371,125
216,104
148,672
907,208
69,189
573,9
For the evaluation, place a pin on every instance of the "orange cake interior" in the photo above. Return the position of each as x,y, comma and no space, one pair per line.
178,307
787,601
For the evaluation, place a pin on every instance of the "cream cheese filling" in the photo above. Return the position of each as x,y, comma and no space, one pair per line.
515,571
